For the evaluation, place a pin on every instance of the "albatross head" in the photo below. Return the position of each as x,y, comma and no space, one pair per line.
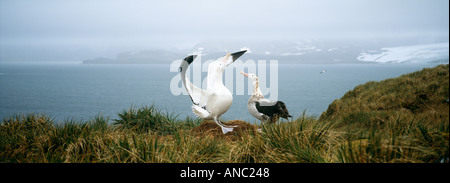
220,64
250,75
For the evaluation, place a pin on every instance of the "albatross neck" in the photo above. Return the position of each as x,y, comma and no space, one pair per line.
217,81
256,91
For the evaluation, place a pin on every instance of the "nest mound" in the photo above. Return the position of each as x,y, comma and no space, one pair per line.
211,128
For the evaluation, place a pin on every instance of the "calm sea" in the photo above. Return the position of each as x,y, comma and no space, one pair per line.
80,92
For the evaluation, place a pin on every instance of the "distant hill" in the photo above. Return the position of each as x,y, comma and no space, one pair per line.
158,56
422,95
308,51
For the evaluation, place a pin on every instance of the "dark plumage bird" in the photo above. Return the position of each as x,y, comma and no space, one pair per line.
262,108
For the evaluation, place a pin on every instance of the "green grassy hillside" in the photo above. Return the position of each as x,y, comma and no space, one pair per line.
421,95
398,116
404,119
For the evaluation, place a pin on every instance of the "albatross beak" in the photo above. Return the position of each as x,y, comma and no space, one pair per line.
235,56
243,73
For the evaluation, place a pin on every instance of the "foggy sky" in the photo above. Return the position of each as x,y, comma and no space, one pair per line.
182,23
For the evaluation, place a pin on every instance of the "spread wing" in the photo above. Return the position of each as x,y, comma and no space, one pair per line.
197,95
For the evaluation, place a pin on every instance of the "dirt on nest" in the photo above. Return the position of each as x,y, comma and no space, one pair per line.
211,128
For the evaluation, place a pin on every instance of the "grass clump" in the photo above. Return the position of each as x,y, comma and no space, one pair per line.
150,118
402,142
303,140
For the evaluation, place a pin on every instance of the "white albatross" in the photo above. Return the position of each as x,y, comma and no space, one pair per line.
262,108
211,103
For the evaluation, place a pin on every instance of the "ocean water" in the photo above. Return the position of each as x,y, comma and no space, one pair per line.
80,92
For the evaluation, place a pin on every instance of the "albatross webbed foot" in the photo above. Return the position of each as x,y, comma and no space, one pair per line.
225,129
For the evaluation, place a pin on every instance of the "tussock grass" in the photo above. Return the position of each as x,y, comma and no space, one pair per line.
303,140
148,118
399,120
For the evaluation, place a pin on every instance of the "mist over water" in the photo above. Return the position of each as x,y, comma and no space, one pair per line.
71,30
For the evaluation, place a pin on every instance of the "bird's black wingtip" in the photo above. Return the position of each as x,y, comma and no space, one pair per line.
190,58
237,54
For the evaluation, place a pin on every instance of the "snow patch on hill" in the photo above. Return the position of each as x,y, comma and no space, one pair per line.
414,53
